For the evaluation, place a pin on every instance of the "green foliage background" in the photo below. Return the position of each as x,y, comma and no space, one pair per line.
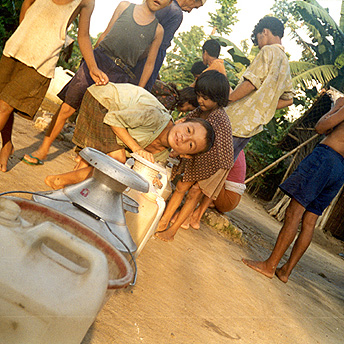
9,19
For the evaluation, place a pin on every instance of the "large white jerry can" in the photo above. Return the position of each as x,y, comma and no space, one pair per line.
52,285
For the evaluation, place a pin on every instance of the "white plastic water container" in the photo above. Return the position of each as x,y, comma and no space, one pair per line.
156,174
142,225
60,79
52,283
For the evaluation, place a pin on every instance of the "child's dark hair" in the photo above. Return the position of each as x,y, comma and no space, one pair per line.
271,23
214,85
212,47
197,68
189,95
210,137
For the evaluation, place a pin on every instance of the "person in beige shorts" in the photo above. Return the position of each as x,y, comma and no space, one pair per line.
30,56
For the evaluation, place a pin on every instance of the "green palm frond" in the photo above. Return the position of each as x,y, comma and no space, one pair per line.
314,3
321,74
322,46
236,53
339,62
178,57
341,19
327,38
302,42
181,46
314,9
298,67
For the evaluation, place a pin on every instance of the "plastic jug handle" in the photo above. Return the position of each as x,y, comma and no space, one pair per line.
49,230
124,281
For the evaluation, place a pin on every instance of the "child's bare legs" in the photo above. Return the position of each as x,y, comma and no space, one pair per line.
191,201
118,155
80,163
195,220
53,131
185,224
286,236
173,204
6,126
80,172
301,244
226,201
59,181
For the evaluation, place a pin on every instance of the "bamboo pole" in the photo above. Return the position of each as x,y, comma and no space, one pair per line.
294,137
281,158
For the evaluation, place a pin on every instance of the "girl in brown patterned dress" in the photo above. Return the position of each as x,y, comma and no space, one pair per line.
203,174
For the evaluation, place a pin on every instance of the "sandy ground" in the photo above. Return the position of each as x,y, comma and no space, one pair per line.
196,289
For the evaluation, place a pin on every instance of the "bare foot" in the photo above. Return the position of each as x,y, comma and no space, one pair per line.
174,217
6,151
77,160
54,182
195,224
165,235
162,225
282,274
36,154
260,267
80,164
184,225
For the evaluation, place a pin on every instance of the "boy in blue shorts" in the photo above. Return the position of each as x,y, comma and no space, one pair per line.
312,186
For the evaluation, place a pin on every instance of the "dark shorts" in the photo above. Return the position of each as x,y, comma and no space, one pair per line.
22,87
90,131
74,90
317,179
239,144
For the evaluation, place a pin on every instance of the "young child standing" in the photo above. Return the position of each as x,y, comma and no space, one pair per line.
312,187
30,56
132,32
204,173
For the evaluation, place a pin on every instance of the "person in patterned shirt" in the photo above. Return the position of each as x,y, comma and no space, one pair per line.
203,174
265,86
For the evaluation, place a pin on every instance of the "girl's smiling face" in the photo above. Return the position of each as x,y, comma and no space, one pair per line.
205,103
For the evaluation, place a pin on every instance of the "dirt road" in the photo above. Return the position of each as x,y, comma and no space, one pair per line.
196,289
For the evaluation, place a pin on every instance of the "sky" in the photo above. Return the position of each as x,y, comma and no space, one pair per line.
247,19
